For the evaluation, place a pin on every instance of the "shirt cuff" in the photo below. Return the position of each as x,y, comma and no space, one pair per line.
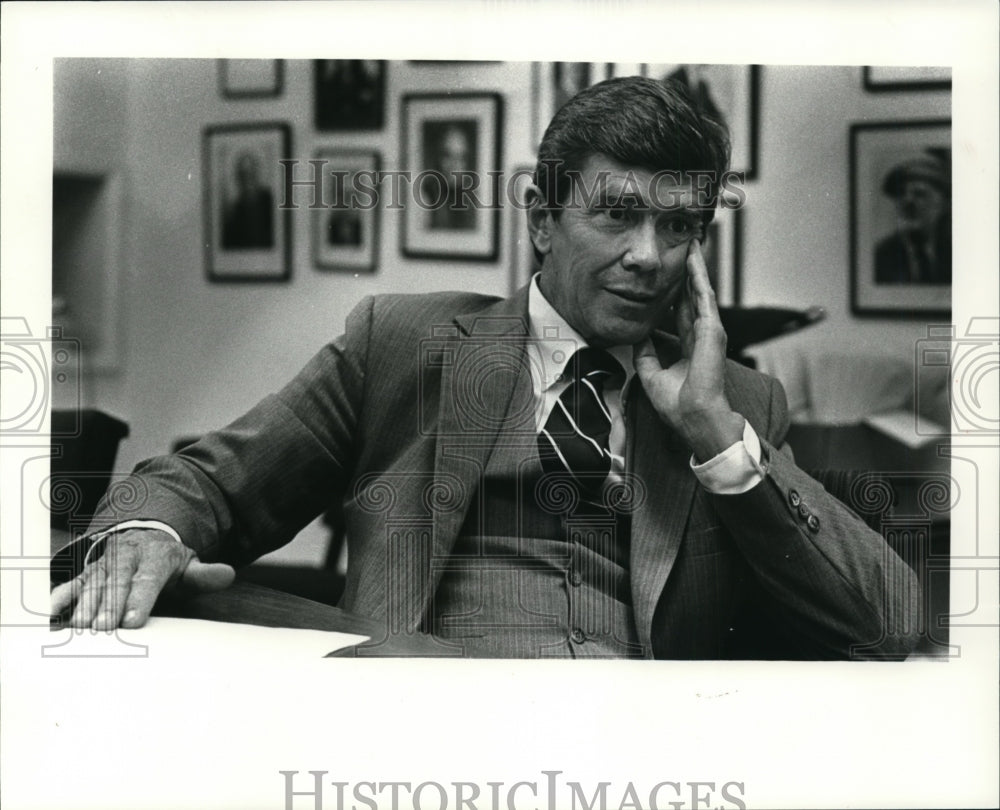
736,469
130,524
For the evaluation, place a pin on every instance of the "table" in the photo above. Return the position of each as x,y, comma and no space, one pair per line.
247,603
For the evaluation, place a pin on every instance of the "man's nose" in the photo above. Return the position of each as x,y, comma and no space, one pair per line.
643,253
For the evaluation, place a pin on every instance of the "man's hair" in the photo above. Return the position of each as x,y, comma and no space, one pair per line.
642,123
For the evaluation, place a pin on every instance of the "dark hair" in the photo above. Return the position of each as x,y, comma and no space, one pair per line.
647,124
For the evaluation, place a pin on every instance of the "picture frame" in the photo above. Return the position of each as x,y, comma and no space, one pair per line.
345,229
733,93
247,234
448,140
890,78
251,78
349,94
900,233
553,84
723,251
522,262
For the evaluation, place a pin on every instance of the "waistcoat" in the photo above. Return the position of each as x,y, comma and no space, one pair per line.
536,571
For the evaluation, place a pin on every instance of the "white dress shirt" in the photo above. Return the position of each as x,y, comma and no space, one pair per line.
736,469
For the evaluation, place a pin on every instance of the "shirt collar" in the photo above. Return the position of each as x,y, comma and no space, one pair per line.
556,340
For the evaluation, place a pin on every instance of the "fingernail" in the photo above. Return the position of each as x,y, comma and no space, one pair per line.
129,617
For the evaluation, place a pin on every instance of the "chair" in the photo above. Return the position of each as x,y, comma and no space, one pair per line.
84,449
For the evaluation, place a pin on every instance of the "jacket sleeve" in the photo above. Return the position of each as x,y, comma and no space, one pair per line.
835,579
248,488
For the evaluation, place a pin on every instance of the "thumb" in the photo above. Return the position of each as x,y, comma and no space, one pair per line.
203,577
645,359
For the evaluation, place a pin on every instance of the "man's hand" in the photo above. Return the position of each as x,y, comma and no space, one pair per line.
119,589
689,396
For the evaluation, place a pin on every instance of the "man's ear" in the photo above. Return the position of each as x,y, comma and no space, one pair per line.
539,220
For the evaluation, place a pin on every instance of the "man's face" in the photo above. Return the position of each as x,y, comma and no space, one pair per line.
614,264
919,206
454,155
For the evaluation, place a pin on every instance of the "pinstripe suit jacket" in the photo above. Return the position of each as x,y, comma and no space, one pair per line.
398,417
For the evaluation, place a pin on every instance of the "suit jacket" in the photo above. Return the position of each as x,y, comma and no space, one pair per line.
398,416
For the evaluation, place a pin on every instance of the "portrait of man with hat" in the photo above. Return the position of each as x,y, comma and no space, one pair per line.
919,250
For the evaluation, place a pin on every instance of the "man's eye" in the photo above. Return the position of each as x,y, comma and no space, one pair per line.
616,213
682,228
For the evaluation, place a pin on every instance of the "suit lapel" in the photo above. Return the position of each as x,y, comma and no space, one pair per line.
660,461
485,385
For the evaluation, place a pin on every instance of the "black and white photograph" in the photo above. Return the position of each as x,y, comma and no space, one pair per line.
345,228
251,78
888,78
901,218
246,232
730,93
349,94
584,430
452,147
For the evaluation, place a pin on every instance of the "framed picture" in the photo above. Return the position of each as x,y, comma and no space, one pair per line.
555,83
730,92
880,78
345,230
523,264
723,251
900,177
251,78
247,236
451,148
349,94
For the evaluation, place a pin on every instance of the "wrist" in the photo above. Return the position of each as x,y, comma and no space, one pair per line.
708,433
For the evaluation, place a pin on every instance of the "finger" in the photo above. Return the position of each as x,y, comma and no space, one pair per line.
205,577
645,359
89,598
147,583
121,566
63,596
701,292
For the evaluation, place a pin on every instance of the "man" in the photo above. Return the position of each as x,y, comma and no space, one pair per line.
453,157
548,474
248,219
919,251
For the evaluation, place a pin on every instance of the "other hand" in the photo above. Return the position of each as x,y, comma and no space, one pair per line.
690,395
120,588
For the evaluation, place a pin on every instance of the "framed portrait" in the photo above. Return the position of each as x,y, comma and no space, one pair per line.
523,264
247,235
251,78
345,230
349,94
452,151
723,251
880,78
729,92
555,83
900,178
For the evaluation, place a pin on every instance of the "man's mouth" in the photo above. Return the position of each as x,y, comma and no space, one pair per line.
632,296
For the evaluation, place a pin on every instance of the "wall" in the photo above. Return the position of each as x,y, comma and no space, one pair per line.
195,354
796,236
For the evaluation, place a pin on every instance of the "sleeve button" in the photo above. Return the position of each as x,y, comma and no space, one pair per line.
794,498
813,523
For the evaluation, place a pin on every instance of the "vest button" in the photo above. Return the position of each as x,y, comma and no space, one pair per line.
578,636
575,579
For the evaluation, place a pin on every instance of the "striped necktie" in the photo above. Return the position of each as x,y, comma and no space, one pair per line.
574,438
